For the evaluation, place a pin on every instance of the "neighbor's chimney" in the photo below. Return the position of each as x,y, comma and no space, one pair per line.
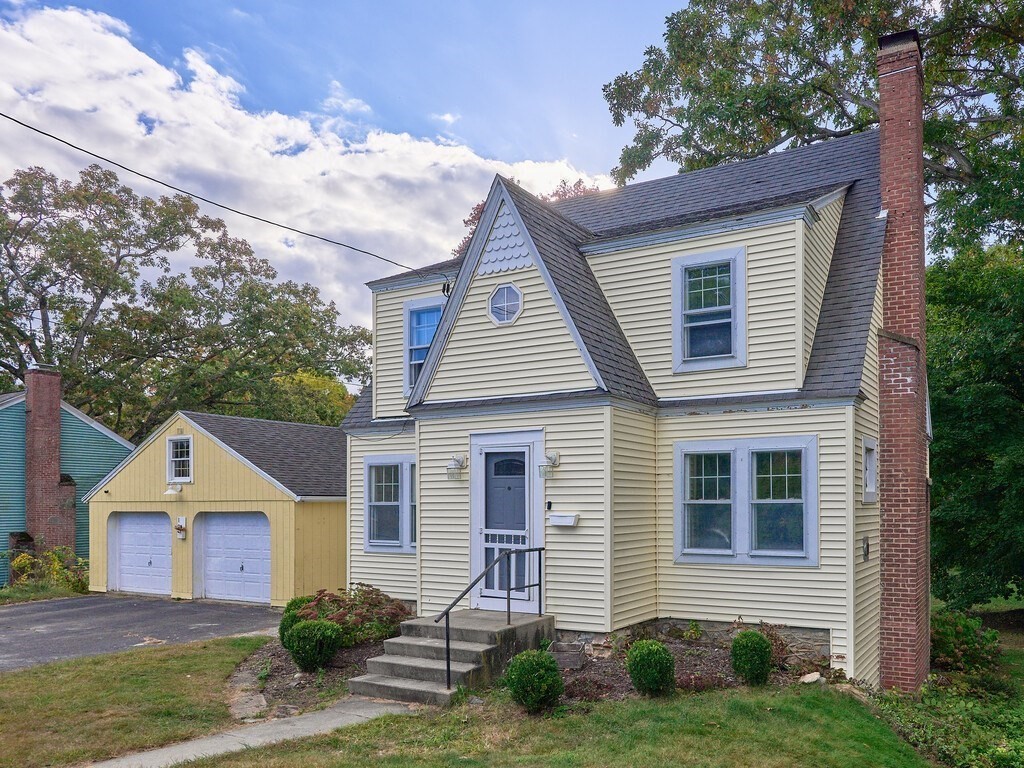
903,443
49,518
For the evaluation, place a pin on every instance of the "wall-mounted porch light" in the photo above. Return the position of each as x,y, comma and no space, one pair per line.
546,468
455,467
172,490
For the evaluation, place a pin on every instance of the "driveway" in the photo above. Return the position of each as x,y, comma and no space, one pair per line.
36,633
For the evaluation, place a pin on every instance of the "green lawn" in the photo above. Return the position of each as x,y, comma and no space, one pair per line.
95,708
23,593
809,726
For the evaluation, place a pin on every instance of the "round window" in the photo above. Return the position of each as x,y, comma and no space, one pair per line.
506,304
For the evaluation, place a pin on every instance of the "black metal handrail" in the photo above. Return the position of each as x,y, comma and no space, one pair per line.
502,557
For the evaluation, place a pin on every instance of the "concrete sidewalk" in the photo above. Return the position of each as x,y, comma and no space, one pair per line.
349,711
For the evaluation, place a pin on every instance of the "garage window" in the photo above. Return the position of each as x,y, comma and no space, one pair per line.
390,504
179,459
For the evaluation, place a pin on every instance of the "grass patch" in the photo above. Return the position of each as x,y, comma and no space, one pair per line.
29,591
99,707
809,726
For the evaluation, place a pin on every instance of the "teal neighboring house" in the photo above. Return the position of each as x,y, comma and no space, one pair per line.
51,456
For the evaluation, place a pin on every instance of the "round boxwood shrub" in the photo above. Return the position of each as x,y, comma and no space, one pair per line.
752,657
651,667
534,681
313,643
290,617
960,642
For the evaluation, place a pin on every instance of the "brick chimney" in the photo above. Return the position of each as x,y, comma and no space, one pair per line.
49,498
903,444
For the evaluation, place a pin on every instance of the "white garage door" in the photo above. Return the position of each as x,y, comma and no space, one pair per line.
144,552
236,556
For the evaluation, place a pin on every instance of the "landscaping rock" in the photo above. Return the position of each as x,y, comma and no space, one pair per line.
811,677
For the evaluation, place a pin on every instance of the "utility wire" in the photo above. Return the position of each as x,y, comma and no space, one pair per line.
207,200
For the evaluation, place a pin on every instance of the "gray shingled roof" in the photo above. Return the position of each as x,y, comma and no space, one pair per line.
360,416
307,459
9,396
442,269
785,178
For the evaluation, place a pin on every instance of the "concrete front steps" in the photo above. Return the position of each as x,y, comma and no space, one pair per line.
413,665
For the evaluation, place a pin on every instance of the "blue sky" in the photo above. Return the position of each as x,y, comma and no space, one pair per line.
374,123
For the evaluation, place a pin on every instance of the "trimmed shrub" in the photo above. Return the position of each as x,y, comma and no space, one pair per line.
313,644
959,642
290,617
651,667
534,681
752,657
365,612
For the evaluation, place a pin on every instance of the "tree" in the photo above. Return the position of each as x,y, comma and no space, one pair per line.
563,191
740,78
976,380
86,284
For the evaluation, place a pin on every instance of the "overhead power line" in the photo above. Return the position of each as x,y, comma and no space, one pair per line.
207,200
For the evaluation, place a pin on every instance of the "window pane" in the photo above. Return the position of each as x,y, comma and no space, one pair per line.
424,325
708,526
504,304
708,286
778,475
384,523
710,476
709,340
384,482
412,503
778,526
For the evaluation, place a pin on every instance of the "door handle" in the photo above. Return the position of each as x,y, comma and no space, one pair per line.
150,564
241,567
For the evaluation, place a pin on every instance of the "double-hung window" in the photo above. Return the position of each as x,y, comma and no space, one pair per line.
179,459
422,317
751,501
709,310
390,523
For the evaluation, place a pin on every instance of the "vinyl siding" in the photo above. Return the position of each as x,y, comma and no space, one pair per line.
813,597
320,546
535,354
819,243
222,483
638,286
87,455
575,576
867,573
389,399
633,539
12,478
393,572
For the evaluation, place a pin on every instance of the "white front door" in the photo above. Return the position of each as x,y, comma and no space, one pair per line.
505,506
236,556
143,552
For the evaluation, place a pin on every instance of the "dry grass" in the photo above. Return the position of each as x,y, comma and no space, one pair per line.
99,707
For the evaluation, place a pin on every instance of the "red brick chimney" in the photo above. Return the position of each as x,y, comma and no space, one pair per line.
49,503
903,444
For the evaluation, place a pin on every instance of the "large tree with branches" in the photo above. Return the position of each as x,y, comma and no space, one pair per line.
86,284
740,78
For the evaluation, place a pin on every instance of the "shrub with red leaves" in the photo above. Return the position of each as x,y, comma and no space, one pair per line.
365,612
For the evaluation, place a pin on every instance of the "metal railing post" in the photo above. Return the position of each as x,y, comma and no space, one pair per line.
540,582
447,653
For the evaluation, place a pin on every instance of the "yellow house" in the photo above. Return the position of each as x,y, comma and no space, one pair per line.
694,398
223,507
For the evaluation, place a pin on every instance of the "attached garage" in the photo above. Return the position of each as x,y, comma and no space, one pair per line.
223,508
235,561
142,559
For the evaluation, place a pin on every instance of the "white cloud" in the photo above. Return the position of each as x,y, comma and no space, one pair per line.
77,74
447,118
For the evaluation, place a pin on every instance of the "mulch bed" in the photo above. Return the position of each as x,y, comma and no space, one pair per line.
699,667
289,691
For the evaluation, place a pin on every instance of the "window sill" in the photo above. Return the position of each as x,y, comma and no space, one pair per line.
710,363
758,560
388,549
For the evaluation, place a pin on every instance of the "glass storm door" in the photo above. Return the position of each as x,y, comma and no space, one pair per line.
505,524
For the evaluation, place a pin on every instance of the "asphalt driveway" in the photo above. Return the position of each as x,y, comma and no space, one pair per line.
35,633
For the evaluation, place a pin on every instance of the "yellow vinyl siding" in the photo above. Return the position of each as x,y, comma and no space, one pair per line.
867,573
819,243
389,399
535,354
393,572
221,483
638,285
634,535
575,578
319,546
813,597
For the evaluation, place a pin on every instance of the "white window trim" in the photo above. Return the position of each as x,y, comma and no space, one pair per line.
405,461
742,493
869,455
171,479
430,302
737,259
516,316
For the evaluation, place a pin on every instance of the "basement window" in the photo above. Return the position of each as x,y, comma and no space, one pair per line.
751,502
390,522
179,459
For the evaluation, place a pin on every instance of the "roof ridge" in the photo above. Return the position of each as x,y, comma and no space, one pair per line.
256,418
